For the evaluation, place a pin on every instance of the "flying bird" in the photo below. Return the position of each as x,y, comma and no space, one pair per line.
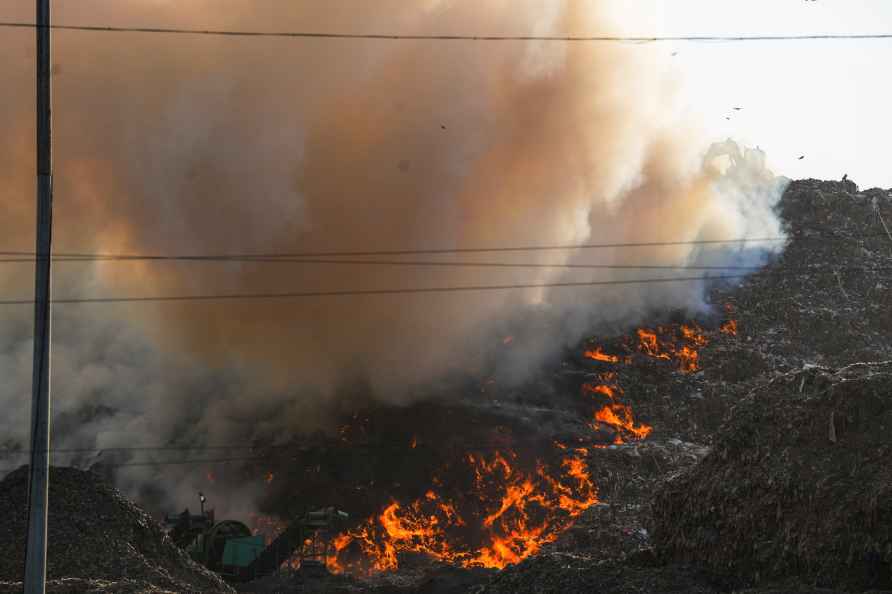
801,157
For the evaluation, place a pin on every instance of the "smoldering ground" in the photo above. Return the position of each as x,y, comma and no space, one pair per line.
205,145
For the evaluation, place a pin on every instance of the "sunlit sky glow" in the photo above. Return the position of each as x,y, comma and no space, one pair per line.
826,100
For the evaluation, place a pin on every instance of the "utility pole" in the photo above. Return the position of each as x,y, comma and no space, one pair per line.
38,487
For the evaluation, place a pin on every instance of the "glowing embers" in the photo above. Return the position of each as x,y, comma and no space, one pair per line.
672,343
614,413
729,328
505,516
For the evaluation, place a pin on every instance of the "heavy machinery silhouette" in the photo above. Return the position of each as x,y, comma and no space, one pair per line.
230,548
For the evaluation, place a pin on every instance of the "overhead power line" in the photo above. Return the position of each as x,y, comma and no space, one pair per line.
411,263
274,256
368,292
447,37
446,264
414,291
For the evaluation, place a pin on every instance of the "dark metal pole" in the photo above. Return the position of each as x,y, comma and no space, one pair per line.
38,488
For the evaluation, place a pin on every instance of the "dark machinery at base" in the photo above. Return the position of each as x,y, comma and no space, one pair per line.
232,550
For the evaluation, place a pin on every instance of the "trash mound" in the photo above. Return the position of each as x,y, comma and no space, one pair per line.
797,484
824,299
96,536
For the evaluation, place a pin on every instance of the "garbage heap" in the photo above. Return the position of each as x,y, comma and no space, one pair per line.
798,484
98,541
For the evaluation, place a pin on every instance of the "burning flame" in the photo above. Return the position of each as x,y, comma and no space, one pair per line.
598,355
619,416
515,514
660,345
599,389
508,513
650,345
729,328
687,359
614,413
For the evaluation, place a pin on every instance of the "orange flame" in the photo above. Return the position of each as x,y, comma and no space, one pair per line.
598,355
518,513
687,359
694,335
729,328
686,355
509,513
649,344
599,389
619,416
615,414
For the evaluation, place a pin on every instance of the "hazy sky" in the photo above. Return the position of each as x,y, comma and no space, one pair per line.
826,100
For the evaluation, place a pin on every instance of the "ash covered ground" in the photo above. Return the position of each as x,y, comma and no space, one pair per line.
759,464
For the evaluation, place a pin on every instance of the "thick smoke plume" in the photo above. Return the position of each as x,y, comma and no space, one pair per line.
204,145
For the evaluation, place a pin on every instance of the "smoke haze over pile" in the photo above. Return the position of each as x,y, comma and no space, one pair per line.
203,145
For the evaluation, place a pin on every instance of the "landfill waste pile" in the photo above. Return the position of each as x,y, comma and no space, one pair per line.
798,484
98,541
795,411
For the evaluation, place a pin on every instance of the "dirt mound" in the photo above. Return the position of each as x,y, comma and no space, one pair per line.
798,484
98,541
